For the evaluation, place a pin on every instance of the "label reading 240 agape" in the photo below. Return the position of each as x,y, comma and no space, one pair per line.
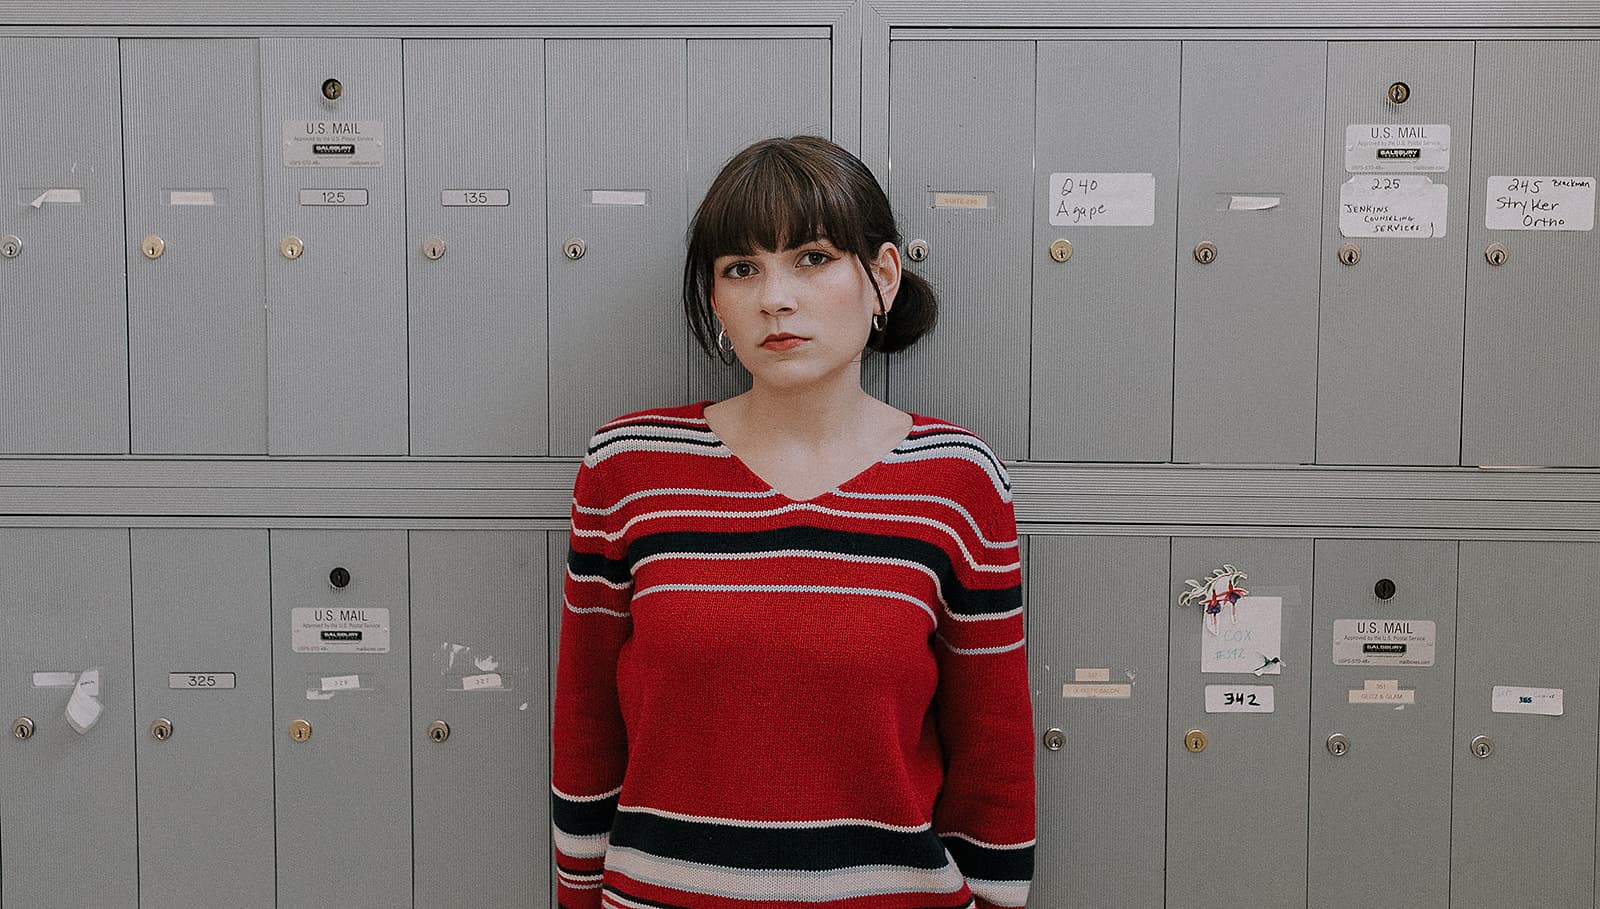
353,630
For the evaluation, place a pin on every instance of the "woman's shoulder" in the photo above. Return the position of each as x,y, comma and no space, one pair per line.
658,429
948,452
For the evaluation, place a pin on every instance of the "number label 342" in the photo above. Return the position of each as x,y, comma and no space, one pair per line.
1239,699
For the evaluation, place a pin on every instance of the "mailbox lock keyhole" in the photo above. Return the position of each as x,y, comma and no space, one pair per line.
332,89
339,578
1384,589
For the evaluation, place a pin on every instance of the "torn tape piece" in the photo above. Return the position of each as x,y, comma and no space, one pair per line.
83,708
313,694
58,197
1254,203
486,664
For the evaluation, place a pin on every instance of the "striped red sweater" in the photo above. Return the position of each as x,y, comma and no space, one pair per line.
766,703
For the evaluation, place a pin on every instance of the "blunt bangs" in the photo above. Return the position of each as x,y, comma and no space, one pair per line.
776,201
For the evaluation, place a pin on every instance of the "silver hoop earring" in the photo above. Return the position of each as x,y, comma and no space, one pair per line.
724,343
880,321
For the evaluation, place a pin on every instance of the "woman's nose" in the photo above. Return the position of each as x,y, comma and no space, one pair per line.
779,296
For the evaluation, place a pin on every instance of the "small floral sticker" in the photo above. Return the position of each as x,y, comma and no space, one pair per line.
1220,588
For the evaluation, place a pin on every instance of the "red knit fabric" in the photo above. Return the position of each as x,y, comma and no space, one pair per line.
766,703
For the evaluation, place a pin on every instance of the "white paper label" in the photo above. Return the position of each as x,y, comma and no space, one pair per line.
475,198
1080,690
1540,203
619,197
333,197
1239,699
200,681
1383,642
488,680
1404,207
1092,675
1413,148
1540,701
341,682
1383,691
37,197
360,630
55,679
970,201
1102,200
1248,635
206,197
333,143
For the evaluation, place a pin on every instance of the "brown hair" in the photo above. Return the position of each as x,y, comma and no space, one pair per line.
780,193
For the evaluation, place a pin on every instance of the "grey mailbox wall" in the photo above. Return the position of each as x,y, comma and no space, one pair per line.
361,344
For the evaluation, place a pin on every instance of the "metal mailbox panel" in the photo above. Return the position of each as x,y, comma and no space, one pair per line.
1390,334
63,301
1380,812
196,335
742,91
1532,326
616,182
343,795
556,546
475,181
1245,795
479,665
1102,321
202,636
1097,656
960,143
336,314
1246,325
67,825
1523,828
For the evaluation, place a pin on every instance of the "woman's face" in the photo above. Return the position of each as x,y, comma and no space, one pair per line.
801,315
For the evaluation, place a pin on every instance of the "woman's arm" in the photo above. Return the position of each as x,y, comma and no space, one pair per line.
985,812
589,750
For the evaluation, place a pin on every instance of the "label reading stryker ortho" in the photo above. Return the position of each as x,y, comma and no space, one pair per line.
355,630
1388,148
1383,642
333,143
1540,203
1407,207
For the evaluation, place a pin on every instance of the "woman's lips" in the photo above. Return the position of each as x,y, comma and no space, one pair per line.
782,342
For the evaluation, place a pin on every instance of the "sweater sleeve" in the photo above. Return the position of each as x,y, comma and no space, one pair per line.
985,811
589,747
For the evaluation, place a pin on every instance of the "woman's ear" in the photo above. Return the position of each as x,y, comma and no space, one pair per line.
886,271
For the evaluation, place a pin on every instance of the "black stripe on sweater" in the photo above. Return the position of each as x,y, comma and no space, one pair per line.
827,542
808,849
985,864
583,818
595,564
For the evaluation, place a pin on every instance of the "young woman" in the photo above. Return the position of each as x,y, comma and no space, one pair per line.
791,670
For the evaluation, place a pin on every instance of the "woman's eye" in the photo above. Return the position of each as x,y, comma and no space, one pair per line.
739,270
814,257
